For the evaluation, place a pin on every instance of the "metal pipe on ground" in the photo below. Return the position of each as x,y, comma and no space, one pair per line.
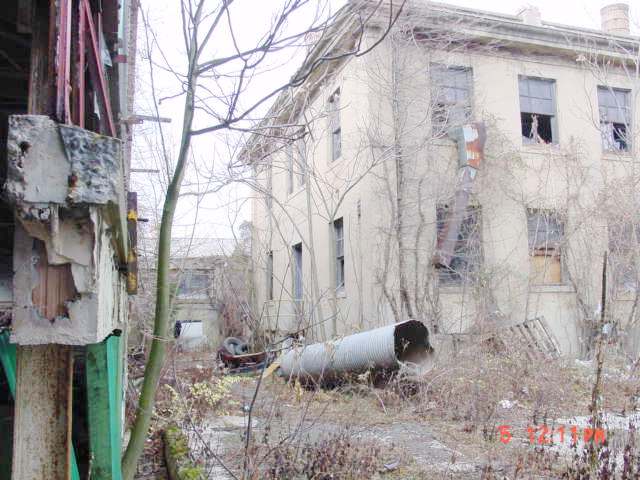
384,348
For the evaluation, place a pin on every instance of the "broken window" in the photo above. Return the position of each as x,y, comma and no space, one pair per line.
270,276
451,97
615,116
338,233
467,253
334,125
624,239
537,110
546,234
194,284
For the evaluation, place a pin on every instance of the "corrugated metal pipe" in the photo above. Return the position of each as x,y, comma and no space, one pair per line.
382,348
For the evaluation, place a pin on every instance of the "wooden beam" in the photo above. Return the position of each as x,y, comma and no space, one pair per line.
104,395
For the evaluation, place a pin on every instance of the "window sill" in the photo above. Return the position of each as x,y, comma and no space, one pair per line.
454,289
539,148
613,156
552,288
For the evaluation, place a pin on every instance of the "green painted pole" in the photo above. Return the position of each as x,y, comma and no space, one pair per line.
104,387
8,361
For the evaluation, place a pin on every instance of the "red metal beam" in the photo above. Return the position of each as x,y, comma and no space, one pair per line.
63,63
97,71
80,87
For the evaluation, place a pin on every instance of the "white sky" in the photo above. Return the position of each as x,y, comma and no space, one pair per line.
218,215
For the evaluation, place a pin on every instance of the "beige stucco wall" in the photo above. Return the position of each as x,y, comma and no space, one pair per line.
574,176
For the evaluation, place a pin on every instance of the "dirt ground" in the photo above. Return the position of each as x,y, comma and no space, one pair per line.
479,416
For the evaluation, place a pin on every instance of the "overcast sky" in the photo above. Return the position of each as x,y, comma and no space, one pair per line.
218,214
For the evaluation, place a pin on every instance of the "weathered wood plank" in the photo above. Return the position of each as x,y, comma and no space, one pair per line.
103,394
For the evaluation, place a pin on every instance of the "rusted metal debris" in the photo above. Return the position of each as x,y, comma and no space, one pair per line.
470,139
384,348
235,356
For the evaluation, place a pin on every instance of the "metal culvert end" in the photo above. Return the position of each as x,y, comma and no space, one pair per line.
382,348
411,340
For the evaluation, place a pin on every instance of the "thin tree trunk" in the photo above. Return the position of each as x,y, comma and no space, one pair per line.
400,184
158,350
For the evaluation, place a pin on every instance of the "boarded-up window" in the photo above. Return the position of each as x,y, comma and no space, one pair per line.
546,235
537,110
467,254
451,97
624,240
615,117
335,127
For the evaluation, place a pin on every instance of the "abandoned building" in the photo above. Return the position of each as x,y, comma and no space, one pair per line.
469,172
210,287
67,241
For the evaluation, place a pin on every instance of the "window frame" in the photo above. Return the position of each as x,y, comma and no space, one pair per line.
302,161
290,163
627,123
472,260
297,270
335,125
439,127
185,287
555,137
269,273
547,250
338,238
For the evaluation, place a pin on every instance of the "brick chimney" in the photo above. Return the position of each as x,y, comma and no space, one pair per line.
530,15
615,19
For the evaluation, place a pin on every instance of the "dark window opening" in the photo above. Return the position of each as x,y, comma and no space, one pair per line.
620,136
297,272
270,276
543,131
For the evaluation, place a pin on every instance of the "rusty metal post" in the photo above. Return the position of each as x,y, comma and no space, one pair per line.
470,139
132,257
63,62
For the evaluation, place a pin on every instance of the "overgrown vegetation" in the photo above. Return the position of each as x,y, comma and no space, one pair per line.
340,456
